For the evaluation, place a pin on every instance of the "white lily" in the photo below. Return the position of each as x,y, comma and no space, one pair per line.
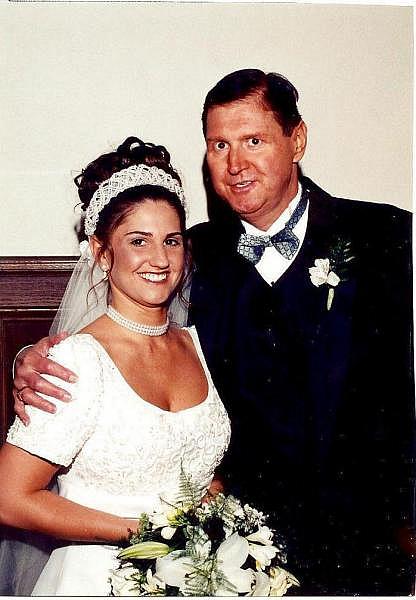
167,520
162,518
231,555
280,581
122,583
321,273
263,535
173,569
263,555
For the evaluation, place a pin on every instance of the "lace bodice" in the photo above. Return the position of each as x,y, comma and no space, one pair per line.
123,453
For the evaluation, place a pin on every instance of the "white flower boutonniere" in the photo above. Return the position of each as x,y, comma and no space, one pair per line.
334,269
321,274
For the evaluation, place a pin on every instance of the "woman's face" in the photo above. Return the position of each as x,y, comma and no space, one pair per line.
149,255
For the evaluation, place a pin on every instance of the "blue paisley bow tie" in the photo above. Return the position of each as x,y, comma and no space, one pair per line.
285,241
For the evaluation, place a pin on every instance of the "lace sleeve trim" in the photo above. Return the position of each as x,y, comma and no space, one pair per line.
59,437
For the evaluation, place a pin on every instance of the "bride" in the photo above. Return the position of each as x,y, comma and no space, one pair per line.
144,406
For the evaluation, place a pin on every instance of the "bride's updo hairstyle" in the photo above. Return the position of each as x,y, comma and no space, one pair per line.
105,188
132,151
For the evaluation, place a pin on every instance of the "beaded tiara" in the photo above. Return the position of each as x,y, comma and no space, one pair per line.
123,180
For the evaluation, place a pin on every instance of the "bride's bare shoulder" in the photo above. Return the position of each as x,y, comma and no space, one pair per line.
183,336
97,328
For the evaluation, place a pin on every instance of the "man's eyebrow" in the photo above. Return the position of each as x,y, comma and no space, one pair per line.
244,136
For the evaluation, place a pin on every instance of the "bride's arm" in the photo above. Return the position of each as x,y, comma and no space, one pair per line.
25,503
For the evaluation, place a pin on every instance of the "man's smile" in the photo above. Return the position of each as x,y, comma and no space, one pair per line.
243,185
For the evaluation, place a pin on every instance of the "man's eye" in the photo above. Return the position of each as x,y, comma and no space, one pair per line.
220,145
254,141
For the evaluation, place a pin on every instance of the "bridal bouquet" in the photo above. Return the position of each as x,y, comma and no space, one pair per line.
217,548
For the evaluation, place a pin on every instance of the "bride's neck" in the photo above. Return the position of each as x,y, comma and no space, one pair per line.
140,314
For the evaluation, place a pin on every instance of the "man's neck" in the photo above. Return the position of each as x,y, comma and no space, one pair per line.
264,222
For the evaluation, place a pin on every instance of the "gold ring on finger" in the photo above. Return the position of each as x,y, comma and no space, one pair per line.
19,393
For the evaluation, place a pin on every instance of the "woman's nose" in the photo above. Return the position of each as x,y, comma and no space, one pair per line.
159,257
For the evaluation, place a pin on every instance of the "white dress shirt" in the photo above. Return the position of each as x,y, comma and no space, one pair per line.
272,264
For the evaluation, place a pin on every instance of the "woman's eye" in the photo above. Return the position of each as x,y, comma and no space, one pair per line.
138,242
172,242
254,141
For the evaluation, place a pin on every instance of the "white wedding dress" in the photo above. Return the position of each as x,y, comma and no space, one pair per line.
124,455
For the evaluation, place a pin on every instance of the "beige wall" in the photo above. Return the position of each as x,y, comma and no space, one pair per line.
76,78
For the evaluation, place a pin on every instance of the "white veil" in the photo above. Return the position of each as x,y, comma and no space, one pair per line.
86,297
179,306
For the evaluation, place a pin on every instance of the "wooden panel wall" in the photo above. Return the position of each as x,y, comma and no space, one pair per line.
30,292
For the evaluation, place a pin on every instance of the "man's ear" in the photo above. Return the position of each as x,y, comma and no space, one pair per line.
299,137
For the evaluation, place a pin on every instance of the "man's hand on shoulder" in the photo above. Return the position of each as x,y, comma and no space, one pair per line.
31,363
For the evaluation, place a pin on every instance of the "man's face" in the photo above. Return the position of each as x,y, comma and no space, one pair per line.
252,164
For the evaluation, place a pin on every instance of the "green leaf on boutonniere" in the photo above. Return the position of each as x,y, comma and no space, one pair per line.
341,256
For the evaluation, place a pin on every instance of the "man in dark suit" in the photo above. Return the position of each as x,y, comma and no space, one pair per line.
303,307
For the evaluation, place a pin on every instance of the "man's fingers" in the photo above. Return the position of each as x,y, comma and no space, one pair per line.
42,347
36,383
19,408
50,367
28,396
32,364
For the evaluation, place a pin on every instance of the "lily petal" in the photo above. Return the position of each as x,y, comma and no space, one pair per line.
233,551
173,568
262,554
241,579
263,535
167,533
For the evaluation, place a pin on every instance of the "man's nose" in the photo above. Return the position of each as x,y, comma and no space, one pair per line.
237,161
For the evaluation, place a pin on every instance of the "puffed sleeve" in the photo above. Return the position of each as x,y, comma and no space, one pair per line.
59,437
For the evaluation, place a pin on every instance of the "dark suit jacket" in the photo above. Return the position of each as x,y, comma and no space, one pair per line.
321,401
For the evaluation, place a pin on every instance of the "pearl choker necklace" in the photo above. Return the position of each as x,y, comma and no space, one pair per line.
152,330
